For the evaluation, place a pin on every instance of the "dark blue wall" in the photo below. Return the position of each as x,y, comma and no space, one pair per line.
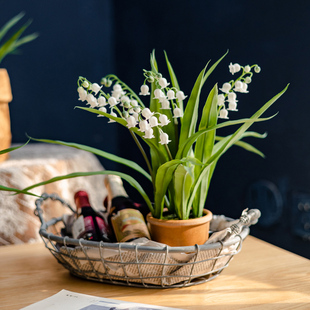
94,38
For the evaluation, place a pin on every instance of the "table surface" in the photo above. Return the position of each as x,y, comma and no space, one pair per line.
261,276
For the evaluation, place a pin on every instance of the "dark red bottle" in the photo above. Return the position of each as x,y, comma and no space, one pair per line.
124,216
89,224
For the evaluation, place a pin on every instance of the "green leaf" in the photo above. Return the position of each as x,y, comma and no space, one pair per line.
10,24
16,191
124,176
13,148
98,152
183,149
229,142
190,117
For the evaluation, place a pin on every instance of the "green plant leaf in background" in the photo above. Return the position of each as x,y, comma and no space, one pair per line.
13,42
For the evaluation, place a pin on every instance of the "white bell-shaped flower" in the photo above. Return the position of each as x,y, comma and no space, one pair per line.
232,97
95,88
165,104
102,101
170,94
164,138
163,120
147,113
136,116
247,69
125,99
221,100
163,82
159,94
131,122
112,101
144,90
241,87
111,120
137,109
91,100
180,95
223,113
177,112
153,121
232,106
149,134
134,102
144,125
81,89
82,94
226,88
102,109
234,68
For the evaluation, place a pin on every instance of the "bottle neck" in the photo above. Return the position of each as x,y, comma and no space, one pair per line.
81,200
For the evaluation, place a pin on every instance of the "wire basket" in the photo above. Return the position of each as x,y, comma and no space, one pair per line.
148,264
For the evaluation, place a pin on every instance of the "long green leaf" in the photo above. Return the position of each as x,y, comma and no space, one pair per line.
16,191
190,117
233,138
98,152
124,176
13,148
10,24
183,150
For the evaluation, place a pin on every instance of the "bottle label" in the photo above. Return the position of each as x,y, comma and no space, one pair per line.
129,224
82,226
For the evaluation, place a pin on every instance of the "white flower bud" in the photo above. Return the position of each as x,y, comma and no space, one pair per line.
102,101
177,112
102,109
223,113
82,95
144,125
95,88
147,113
247,69
165,104
164,138
92,101
180,95
220,100
170,94
163,82
153,121
112,101
226,88
134,103
144,90
85,84
149,134
257,69
131,122
112,114
163,120
234,68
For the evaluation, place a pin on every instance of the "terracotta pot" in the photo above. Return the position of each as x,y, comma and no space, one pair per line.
5,123
180,232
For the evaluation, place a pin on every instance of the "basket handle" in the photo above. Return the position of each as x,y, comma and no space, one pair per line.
39,202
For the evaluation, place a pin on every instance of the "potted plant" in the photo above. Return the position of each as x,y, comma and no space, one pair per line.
9,46
184,146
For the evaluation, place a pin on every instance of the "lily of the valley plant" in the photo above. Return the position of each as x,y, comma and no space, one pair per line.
184,145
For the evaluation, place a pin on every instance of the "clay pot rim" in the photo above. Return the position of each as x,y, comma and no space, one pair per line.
190,222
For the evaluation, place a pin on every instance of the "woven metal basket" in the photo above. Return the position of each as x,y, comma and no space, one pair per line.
137,265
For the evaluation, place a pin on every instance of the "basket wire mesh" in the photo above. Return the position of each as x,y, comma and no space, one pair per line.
136,264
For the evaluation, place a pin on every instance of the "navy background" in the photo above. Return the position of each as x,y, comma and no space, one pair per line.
93,38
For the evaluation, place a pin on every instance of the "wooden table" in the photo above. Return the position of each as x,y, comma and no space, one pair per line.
261,276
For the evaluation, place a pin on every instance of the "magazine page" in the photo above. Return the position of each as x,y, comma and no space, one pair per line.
66,300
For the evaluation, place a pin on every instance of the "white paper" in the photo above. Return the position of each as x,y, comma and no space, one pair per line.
66,300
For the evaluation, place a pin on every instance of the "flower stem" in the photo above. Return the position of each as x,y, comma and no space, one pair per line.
142,152
168,151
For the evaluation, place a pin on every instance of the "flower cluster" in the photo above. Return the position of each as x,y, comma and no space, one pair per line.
230,88
122,102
